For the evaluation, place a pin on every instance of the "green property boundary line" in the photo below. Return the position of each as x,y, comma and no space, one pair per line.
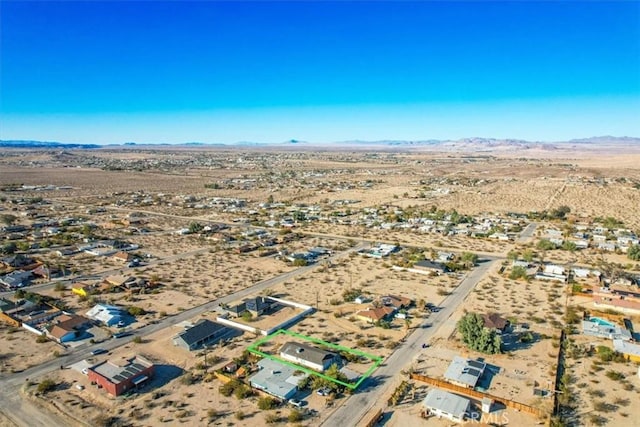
353,386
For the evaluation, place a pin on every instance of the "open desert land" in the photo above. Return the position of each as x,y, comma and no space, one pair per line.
145,197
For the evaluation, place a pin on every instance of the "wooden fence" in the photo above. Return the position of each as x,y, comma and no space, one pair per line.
479,395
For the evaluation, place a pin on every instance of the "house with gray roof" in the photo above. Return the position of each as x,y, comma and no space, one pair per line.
204,332
465,372
603,329
309,356
277,379
448,405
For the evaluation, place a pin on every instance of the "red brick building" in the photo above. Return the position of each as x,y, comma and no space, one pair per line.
119,378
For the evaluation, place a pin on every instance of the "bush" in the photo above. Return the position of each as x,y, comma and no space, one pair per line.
266,403
272,418
295,416
350,294
239,415
42,338
136,311
46,386
518,272
615,375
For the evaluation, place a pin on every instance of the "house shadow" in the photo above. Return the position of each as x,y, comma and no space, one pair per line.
511,341
163,374
490,371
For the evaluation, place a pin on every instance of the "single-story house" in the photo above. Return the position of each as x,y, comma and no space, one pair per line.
373,315
309,356
433,266
16,279
110,315
448,405
603,329
119,378
122,257
465,372
67,327
631,351
495,321
204,332
395,301
277,379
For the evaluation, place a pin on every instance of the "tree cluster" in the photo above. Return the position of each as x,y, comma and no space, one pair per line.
477,337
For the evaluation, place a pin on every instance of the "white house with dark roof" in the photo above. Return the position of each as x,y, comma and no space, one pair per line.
309,356
441,403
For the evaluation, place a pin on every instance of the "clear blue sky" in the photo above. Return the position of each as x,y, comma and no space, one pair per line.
110,72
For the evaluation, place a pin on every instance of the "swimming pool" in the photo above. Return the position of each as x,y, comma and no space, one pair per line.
601,322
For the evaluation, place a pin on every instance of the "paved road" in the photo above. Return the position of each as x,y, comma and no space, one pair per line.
379,387
25,413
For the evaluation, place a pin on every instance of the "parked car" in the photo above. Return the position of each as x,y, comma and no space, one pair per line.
324,391
297,403
98,351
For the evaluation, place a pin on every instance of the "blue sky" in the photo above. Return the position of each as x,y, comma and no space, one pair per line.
110,72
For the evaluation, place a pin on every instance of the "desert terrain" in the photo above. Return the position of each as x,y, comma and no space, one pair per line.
207,224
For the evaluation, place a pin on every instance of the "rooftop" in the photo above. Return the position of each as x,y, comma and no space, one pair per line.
117,373
306,352
465,371
276,378
446,402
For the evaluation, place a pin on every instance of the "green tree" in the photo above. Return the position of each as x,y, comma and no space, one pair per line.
513,255
9,248
633,253
476,336
469,259
528,255
300,262
195,227
568,245
46,386
546,245
518,272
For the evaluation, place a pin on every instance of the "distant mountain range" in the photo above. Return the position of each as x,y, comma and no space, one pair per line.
472,144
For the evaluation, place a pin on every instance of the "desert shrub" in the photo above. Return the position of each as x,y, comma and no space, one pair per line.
266,403
615,375
239,415
518,272
601,406
136,311
350,294
272,418
295,416
597,420
46,386
42,338
187,379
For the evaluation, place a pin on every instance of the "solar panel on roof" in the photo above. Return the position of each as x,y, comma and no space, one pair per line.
134,369
119,378
473,372
475,364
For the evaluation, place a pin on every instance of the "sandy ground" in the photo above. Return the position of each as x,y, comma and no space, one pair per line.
193,271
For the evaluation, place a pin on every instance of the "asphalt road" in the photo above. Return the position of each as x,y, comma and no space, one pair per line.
25,413
374,392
